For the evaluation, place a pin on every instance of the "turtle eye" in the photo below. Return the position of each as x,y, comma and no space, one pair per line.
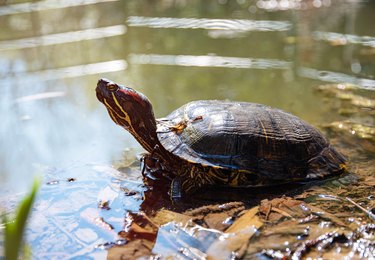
112,87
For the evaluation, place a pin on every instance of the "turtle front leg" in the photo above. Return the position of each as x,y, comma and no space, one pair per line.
150,166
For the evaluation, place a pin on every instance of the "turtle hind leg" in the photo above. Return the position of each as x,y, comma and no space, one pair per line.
189,180
176,189
328,162
180,187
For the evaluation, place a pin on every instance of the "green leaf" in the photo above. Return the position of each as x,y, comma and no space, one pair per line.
14,229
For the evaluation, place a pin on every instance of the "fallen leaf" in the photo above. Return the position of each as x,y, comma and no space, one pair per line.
164,216
132,250
236,237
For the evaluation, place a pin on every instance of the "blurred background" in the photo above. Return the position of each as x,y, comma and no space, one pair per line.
274,52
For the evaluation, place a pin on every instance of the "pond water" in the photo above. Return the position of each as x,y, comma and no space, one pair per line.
274,52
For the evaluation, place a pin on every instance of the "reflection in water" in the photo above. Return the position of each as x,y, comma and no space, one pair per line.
43,95
59,38
274,5
68,72
44,125
329,76
208,61
208,24
45,5
343,39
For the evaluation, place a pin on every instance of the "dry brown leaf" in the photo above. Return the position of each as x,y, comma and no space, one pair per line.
236,237
139,226
369,181
249,218
216,216
326,215
132,250
164,216
276,209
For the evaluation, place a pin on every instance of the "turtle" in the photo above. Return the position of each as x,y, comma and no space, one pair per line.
216,142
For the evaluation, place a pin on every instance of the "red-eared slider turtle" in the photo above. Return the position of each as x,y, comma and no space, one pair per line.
211,142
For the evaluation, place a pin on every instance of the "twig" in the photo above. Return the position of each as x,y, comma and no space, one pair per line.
368,212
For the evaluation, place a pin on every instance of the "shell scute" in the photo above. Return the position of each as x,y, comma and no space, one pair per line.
245,137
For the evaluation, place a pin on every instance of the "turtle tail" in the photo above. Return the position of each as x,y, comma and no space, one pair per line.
328,162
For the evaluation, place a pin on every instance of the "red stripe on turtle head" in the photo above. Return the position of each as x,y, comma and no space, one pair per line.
138,97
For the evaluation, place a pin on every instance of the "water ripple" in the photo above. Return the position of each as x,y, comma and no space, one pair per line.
67,37
343,39
336,77
68,72
45,5
39,96
282,5
208,24
208,61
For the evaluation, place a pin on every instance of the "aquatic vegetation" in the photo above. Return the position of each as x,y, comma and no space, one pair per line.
14,229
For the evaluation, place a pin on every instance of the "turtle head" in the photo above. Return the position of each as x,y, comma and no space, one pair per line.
130,109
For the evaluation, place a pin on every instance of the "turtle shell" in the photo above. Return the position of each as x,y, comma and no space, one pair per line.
247,136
